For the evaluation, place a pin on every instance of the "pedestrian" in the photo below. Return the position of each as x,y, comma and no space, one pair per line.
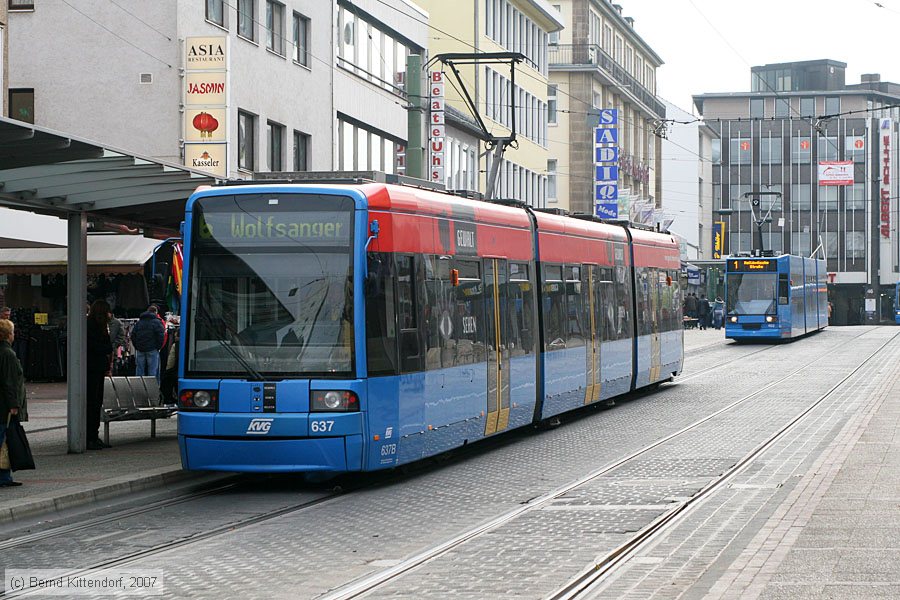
718,312
703,312
148,336
116,334
99,360
12,391
169,378
830,310
5,313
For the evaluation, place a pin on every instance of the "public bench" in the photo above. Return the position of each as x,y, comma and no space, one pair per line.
132,399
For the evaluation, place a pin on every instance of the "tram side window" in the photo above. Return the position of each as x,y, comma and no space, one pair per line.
783,289
467,314
608,304
520,302
643,300
554,300
407,315
623,294
381,323
436,310
575,307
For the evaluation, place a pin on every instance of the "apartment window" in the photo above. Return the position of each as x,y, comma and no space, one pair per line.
301,151
246,19
801,196
828,197
740,151
21,105
246,141
832,105
828,147
552,103
554,35
830,240
807,107
800,243
276,146
607,39
301,40
855,244
855,148
855,197
275,27
716,152
782,107
215,12
619,50
801,149
21,4
551,180
757,108
741,241
736,195
770,151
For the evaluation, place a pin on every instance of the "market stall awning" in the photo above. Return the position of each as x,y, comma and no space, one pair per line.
106,253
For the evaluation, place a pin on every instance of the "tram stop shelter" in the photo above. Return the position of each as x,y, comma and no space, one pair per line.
52,173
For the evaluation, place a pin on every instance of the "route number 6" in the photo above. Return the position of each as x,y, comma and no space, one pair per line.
321,426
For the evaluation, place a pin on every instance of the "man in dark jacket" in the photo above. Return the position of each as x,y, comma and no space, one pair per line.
12,390
703,312
148,336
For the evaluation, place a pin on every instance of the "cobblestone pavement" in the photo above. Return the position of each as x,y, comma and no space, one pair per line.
308,553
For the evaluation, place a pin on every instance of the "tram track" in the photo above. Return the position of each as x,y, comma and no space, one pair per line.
127,559
64,530
587,582
601,569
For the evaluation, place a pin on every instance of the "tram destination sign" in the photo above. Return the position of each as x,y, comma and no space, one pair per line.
753,265
278,228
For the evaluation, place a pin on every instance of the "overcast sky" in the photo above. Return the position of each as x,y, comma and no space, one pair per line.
710,45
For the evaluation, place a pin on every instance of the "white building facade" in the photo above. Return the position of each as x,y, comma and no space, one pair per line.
287,95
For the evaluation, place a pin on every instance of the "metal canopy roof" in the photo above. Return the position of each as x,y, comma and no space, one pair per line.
53,173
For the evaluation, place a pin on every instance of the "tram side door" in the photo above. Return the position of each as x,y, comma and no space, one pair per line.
496,274
655,306
591,288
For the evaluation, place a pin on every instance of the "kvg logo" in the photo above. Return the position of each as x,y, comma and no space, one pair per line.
259,426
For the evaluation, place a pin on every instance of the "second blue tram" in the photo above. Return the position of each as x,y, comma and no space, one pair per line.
897,303
775,298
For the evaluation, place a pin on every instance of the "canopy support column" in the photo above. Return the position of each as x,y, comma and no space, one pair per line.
76,339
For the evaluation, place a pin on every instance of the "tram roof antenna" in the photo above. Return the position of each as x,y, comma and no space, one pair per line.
495,143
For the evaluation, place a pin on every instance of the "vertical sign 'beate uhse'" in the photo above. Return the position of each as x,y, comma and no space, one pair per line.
436,126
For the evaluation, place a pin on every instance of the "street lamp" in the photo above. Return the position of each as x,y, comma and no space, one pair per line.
758,217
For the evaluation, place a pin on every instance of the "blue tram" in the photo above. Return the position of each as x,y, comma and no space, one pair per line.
775,298
897,303
335,328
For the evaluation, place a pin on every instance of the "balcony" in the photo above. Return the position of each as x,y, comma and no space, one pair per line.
569,55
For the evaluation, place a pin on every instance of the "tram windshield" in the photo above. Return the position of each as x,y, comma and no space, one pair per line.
751,293
271,286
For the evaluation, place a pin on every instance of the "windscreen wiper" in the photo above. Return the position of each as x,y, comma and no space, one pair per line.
256,375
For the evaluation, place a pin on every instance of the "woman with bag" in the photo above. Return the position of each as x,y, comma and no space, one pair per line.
12,396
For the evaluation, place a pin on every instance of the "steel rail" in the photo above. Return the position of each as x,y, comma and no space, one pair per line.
373,581
589,580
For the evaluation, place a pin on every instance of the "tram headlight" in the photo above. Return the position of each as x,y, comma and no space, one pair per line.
333,401
198,400
202,399
734,319
771,319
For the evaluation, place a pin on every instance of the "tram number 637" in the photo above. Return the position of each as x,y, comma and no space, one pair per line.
321,426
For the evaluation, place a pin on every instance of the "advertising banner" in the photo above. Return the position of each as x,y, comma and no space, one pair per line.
836,172
718,239
205,100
